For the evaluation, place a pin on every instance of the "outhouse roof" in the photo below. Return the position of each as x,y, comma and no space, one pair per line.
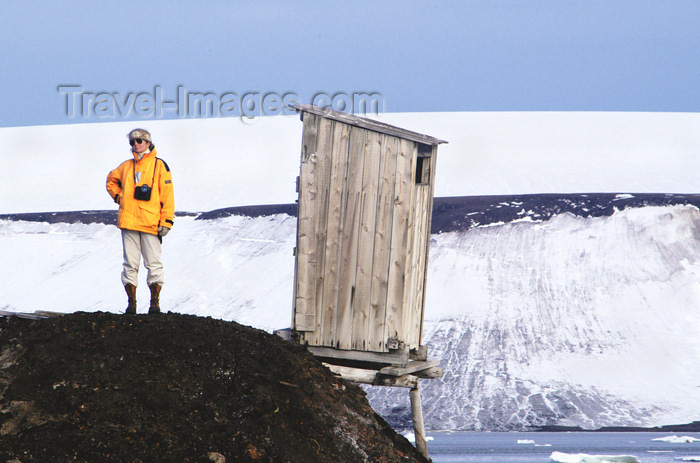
369,124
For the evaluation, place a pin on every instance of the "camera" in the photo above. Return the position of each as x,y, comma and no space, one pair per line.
143,192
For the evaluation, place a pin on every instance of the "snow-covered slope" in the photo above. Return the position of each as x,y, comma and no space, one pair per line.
578,321
224,162
574,321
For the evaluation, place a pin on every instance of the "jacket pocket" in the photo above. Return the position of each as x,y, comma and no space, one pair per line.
147,216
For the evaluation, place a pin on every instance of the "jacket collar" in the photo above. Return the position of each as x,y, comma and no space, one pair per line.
152,154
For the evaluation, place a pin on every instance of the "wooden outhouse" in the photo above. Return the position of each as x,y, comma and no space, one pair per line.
365,204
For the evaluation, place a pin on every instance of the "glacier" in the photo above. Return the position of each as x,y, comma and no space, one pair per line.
574,321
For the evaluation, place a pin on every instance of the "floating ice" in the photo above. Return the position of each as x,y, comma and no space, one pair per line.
532,442
561,457
690,458
677,440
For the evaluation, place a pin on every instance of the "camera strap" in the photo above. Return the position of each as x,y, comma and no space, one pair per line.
155,166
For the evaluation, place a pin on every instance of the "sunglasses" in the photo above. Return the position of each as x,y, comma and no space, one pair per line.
133,141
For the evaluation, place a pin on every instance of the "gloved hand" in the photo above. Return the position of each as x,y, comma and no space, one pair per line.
116,199
162,231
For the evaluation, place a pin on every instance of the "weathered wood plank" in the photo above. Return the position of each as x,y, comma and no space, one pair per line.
431,373
422,265
36,315
373,377
305,270
409,280
382,245
368,124
410,288
310,131
349,244
418,425
399,240
398,358
324,142
414,297
365,257
410,368
428,226
336,209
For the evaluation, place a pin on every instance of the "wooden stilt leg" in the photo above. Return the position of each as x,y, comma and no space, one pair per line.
418,426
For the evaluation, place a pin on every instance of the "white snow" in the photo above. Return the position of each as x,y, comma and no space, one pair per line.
235,268
224,162
561,457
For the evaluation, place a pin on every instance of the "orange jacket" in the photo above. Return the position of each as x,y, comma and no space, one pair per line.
139,215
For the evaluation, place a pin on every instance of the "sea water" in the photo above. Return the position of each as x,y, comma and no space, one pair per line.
537,447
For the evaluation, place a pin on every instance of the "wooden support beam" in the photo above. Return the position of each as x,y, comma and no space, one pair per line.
373,377
411,367
37,315
418,425
419,353
389,358
430,373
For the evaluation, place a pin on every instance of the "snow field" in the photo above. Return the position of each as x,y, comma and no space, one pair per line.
224,162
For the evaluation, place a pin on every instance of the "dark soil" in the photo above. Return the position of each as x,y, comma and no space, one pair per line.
102,387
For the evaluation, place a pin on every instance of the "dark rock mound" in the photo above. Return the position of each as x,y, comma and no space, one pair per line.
104,387
466,212
108,217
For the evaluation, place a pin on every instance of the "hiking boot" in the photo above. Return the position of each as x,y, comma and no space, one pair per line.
131,294
155,295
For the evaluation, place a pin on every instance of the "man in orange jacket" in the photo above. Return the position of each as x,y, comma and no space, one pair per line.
143,188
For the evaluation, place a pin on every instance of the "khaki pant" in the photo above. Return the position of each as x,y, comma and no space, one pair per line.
137,244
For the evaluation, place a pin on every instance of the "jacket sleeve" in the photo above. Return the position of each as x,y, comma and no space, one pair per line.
114,182
167,196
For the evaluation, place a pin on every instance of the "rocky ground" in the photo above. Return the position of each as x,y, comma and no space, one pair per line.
103,387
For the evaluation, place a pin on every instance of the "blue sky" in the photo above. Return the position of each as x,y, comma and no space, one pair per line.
485,55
